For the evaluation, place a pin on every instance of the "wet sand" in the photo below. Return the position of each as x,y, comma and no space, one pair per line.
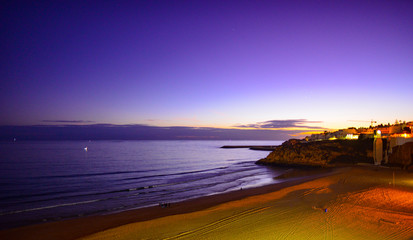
345,203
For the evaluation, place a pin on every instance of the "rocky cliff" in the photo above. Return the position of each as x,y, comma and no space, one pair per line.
402,155
320,153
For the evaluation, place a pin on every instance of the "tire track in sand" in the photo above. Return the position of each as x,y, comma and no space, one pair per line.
198,232
294,224
329,230
293,228
403,234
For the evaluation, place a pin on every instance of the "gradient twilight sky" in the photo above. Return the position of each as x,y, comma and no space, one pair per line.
206,63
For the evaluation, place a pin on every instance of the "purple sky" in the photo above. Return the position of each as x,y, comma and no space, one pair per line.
211,63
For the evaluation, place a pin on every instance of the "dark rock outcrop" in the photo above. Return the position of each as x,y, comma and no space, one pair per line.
402,155
321,153
291,142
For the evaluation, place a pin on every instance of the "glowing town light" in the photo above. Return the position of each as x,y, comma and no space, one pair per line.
377,134
351,136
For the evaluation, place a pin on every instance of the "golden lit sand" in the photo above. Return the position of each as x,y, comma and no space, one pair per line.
356,203
346,203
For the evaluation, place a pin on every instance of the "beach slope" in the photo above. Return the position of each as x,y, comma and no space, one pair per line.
355,203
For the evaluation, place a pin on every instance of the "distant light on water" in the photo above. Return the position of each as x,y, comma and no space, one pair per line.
119,175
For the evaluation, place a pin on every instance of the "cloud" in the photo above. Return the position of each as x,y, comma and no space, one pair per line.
67,121
136,132
288,123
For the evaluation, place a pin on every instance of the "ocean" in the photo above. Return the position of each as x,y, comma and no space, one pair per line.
42,181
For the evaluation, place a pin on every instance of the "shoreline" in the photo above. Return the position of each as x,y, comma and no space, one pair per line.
347,203
352,202
84,226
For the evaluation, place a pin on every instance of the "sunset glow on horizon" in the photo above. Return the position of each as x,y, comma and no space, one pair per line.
207,64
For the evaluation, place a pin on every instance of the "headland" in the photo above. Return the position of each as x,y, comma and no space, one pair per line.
340,200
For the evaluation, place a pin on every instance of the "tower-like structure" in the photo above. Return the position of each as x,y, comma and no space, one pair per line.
377,148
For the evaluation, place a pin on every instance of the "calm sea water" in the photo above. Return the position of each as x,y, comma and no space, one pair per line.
48,181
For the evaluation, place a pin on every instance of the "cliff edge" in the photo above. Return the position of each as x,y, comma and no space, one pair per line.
402,156
320,153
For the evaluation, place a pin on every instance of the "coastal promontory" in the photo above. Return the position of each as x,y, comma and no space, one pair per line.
320,153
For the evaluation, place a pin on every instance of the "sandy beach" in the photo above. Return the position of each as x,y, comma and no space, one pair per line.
344,203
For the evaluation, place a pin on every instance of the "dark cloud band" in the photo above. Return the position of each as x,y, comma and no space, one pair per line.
135,132
288,123
67,121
